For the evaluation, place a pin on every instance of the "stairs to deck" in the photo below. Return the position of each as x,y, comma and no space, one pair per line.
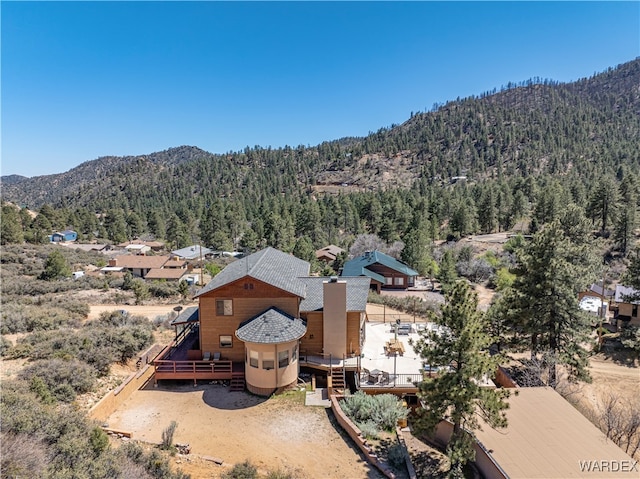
337,380
237,382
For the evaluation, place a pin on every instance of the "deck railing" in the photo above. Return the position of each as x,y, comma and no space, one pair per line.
392,381
194,367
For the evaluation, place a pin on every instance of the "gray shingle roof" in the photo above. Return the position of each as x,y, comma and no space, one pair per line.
187,315
625,294
269,265
191,252
271,327
357,293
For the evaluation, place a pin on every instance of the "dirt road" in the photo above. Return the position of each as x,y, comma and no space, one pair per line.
150,311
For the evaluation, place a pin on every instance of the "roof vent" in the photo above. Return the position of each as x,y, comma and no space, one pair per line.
333,279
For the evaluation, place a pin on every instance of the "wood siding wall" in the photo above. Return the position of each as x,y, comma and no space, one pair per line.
391,273
314,346
311,343
247,303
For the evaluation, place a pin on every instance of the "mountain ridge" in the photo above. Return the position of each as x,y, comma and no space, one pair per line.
520,130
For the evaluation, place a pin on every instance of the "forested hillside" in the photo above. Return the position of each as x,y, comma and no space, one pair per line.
525,151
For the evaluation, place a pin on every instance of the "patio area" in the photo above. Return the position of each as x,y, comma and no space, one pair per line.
388,359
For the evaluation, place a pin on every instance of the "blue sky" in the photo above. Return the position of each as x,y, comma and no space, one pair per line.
82,80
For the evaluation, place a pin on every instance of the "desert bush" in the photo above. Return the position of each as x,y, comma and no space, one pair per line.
23,456
99,344
284,474
62,443
387,411
358,407
167,435
407,304
395,456
244,470
383,410
369,429
476,270
65,379
20,318
163,289
5,345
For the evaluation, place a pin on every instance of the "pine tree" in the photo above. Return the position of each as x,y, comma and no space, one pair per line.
632,275
447,274
55,267
627,217
11,225
456,393
604,202
543,302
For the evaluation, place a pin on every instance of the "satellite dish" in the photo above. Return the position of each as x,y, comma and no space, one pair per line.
178,308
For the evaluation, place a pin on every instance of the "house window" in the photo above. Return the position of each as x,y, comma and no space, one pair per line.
283,359
226,342
253,359
294,353
248,285
267,361
224,307
399,281
388,281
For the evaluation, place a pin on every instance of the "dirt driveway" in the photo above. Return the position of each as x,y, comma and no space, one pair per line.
277,433
150,311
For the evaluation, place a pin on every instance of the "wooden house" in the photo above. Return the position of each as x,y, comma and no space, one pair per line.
383,270
625,306
265,315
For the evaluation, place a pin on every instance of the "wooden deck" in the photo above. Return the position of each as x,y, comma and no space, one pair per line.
172,363
212,370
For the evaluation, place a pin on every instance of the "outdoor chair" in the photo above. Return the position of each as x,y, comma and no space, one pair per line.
206,356
365,375
384,378
216,356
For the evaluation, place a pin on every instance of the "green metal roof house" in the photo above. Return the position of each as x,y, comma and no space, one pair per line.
384,271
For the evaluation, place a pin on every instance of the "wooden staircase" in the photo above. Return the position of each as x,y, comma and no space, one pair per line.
237,382
337,380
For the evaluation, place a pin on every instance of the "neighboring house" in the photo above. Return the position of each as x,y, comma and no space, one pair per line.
263,315
137,248
328,254
66,235
167,274
153,245
137,265
596,290
546,437
192,252
383,270
88,246
173,270
625,305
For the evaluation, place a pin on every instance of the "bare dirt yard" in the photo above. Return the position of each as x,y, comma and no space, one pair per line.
278,433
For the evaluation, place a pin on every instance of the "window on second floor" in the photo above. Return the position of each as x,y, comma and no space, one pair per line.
224,307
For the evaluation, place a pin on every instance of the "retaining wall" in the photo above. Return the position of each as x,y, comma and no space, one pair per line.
355,434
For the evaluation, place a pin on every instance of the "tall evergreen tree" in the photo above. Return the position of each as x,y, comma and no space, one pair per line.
543,305
116,226
456,393
11,226
55,267
627,217
447,274
604,202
